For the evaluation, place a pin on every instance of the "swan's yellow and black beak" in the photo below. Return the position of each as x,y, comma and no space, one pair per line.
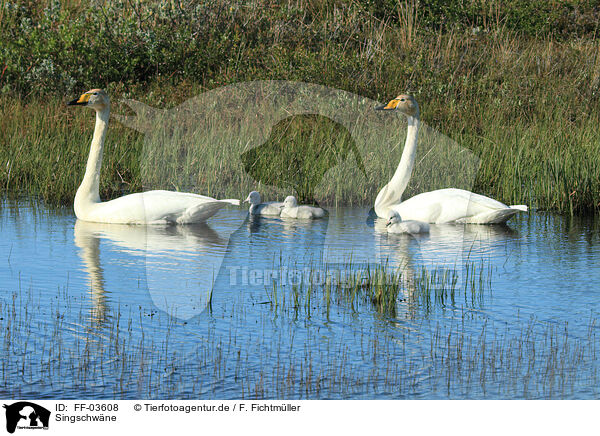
388,223
388,107
81,101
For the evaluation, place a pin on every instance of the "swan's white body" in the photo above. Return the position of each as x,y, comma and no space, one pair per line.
257,207
395,224
455,206
152,207
440,206
292,210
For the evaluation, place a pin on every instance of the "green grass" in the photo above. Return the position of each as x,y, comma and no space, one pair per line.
45,149
521,94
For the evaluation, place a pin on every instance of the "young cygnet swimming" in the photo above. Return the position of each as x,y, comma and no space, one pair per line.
396,225
257,207
292,210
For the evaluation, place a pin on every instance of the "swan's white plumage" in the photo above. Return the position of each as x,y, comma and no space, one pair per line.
292,210
155,207
152,207
455,205
440,206
257,207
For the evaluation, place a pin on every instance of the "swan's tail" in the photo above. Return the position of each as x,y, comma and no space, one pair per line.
494,217
234,201
520,207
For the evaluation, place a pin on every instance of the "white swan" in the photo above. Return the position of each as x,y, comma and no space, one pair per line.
292,210
440,206
257,207
396,225
152,207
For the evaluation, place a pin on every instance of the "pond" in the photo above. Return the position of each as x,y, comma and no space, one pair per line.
273,308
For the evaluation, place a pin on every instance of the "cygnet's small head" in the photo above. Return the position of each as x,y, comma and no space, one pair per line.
404,103
96,99
393,218
253,198
290,201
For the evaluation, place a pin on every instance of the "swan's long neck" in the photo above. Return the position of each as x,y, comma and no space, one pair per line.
392,192
88,192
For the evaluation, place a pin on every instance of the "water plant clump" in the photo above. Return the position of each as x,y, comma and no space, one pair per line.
383,288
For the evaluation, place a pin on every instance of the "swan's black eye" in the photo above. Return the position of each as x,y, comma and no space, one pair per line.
95,93
401,99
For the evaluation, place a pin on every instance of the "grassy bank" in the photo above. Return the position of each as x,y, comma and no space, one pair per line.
519,90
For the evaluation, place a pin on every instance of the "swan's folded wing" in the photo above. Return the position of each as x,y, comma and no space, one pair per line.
203,211
158,207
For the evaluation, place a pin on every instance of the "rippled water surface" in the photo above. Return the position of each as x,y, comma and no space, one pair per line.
263,308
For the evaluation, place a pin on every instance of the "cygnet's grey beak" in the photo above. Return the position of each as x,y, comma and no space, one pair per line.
247,200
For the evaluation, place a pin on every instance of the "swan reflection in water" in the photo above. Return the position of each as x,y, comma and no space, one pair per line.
447,247
89,245
180,263
446,244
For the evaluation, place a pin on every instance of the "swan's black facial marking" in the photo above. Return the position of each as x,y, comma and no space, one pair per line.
81,101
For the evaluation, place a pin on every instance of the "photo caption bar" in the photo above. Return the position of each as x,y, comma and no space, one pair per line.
265,417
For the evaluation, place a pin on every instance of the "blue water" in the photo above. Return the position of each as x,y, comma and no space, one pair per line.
108,311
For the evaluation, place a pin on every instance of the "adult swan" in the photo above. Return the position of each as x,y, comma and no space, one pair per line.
441,206
152,207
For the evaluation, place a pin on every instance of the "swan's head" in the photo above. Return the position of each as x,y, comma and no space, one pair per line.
253,198
290,201
393,218
95,98
404,103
